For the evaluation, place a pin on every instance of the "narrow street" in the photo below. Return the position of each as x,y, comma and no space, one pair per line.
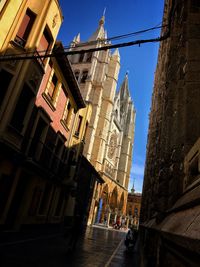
98,247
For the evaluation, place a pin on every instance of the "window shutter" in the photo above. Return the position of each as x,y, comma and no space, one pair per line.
26,26
44,42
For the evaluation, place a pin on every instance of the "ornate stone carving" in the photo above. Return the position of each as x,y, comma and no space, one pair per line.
55,20
112,145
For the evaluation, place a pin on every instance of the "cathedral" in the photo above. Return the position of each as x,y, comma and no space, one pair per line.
110,133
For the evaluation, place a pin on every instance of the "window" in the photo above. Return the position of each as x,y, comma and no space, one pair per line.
37,140
67,114
77,73
84,76
48,148
50,140
5,79
21,108
80,118
136,212
58,153
45,43
81,58
89,57
52,87
86,129
25,28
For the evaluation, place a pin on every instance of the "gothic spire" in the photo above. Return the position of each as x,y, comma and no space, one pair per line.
77,38
116,53
102,20
133,189
124,89
100,33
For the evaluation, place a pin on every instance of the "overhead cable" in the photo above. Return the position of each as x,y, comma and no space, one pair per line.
37,55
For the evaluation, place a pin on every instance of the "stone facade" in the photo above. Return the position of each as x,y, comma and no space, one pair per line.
133,207
109,138
170,202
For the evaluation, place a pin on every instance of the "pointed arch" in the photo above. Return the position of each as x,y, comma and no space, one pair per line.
84,76
104,194
102,205
77,74
113,199
121,202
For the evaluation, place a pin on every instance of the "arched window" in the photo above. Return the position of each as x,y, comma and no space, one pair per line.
81,57
77,73
84,76
89,57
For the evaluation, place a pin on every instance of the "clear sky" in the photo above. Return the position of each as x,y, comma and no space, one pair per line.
121,17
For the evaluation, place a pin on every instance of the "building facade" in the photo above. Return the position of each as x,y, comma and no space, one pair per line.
26,27
110,133
43,121
170,203
133,208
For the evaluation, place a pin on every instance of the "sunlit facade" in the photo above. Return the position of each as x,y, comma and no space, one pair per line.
43,120
110,134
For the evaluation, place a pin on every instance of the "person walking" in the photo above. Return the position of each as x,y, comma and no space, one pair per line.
76,232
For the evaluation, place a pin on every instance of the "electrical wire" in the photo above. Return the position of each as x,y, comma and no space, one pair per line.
128,35
85,44
37,54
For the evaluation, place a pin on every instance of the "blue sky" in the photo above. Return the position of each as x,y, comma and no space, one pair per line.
123,17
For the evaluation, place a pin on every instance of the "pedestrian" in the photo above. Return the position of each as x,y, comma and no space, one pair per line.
131,238
118,223
76,232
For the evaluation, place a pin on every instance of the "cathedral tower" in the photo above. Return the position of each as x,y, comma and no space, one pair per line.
109,137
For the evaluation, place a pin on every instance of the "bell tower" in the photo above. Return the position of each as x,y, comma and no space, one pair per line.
97,75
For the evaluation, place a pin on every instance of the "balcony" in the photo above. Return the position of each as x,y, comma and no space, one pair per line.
21,42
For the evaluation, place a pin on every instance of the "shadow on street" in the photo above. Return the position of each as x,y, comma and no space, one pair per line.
97,247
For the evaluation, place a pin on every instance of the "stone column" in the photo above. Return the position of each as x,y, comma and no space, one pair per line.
127,221
108,218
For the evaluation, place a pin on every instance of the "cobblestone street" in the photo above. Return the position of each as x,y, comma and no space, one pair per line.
98,247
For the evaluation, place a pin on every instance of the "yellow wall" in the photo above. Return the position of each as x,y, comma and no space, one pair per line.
48,12
7,17
86,115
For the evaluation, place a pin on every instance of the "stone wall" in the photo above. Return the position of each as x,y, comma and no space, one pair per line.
173,130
